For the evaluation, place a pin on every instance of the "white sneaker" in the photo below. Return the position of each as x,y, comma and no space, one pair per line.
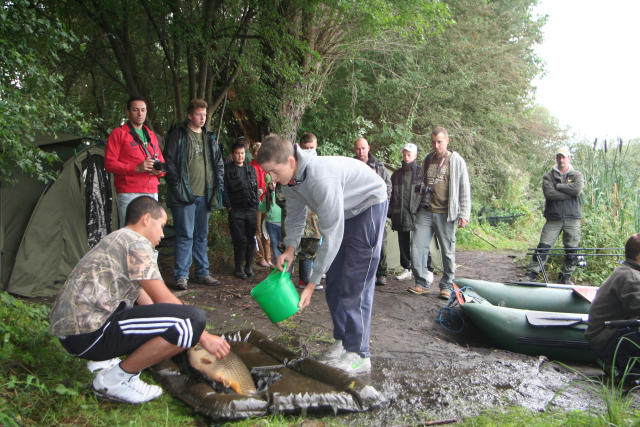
334,352
352,363
319,287
405,275
116,384
429,277
99,365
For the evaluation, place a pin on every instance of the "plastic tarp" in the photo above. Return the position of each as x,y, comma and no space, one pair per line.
286,383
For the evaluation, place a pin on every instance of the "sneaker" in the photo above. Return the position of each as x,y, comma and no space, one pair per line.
405,275
352,363
264,264
334,352
319,287
99,365
418,290
444,294
240,274
429,277
381,281
182,283
531,276
120,386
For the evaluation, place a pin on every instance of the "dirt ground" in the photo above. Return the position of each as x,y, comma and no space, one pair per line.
424,371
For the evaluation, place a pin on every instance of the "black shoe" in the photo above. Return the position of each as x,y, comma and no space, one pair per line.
248,270
381,281
531,276
240,275
207,280
565,279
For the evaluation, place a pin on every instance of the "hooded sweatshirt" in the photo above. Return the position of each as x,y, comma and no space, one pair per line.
336,189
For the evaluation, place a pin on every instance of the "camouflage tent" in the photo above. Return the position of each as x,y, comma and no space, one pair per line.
46,229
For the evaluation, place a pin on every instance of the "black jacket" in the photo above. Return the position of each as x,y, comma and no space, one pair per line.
562,194
175,154
404,200
241,187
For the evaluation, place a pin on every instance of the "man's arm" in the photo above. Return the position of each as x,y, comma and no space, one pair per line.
549,189
157,292
573,188
112,161
464,195
171,157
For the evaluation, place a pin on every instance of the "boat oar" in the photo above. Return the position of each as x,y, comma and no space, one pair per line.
537,318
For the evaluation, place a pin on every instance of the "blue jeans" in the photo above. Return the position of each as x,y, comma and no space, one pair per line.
123,201
192,226
275,236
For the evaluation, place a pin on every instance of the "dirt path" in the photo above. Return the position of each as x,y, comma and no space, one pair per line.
424,371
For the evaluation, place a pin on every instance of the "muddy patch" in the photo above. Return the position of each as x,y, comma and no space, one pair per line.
424,371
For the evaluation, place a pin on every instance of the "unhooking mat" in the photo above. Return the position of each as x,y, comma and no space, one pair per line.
285,383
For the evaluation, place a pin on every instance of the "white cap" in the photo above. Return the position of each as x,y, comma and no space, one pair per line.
563,152
412,148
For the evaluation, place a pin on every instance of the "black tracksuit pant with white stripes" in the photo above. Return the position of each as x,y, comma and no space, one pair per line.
128,328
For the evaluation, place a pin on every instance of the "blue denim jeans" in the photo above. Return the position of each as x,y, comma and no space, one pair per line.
192,226
123,201
275,236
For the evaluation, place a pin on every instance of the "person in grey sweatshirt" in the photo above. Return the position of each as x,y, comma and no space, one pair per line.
350,200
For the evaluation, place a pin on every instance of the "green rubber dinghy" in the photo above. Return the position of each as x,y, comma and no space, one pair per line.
559,336
532,296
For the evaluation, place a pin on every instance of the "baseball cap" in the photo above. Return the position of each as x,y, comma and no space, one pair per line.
412,148
564,151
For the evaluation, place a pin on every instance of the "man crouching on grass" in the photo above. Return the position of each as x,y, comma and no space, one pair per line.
351,203
95,317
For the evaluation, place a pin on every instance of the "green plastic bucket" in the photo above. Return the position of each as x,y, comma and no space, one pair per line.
276,295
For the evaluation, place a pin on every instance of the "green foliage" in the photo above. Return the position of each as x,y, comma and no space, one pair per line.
611,203
473,77
33,101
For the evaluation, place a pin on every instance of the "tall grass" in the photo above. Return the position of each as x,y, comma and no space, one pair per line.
611,200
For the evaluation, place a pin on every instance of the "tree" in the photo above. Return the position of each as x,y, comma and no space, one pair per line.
309,40
32,99
474,78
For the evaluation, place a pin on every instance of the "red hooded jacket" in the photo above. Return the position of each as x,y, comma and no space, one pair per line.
122,155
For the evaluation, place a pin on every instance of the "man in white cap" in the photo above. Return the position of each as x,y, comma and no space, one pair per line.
403,205
561,187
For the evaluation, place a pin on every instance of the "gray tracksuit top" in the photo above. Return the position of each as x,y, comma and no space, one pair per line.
335,188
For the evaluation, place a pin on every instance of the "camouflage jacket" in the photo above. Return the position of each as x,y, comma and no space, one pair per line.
106,276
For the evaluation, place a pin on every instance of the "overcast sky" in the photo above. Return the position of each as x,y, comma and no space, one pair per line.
591,51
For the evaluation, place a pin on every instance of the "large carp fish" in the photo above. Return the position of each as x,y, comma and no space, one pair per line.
230,371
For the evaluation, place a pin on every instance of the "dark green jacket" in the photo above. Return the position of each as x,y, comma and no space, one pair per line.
562,194
404,199
618,298
175,154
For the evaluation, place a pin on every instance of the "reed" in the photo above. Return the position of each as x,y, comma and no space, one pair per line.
611,200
